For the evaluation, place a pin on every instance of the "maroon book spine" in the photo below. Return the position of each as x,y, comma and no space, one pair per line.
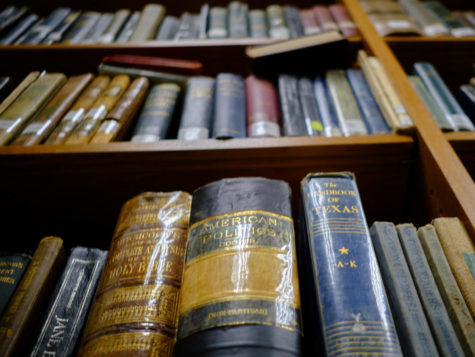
172,65
324,18
309,22
343,19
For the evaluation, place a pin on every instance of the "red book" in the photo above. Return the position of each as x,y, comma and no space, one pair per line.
309,22
343,19
324,18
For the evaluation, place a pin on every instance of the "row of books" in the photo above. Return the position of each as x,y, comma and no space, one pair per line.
221,269
414,17
64,25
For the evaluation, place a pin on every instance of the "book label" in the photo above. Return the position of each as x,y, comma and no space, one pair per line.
264,128
193,133
109,127
470,261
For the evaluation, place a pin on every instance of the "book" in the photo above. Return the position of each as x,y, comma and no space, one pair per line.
344,103
229,114
29,299
251,308
293,121
128,28
262,108
59,32
345,23
454,302
455,26
426,20
21,28
411,323
148,23
44,122
441,327
324,18
10,16
28,103
187,29
203,22
197,114
466,99
98,29
293,21
134,310
154,120
329,121
12,268
45,27
313,122
168,28
277,27
118,20
237,19
309,22
257,23
217,22
460,252
69,303
394,24
81,28
25,83
350,300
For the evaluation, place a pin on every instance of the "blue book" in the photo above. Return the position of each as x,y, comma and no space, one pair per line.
229,107
43,28
369,109
19,30
354,312
329,121
435,311
411,323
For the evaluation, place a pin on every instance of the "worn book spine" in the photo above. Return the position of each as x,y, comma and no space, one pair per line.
185,27
313,122
28,302
442,330
293,121
44,122
134,311
128,27
277,27
148,23
155,118
372,116
218,27
31,101
21,28
257,314
454,302
59,32
168,28
345,23
19,89
81,28
98,29
309,22
456,27
262,108
257,23
230,107
12,268
351,304
425,19
203,22
293,20
460,252
324,18
69,304
331,127
111,32
43,29
395,24
411,323
237,19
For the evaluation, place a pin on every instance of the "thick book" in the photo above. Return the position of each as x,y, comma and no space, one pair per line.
250,308
81,28
148,23
111,32
411,323
237,19
460,252
330,124
168,28
19,89
128,28
69,304
426,20
350,302
460,316
343,19
45,27
324,18
257,23
197,114
12,268
293,121
155,118
134,311
217,24
313,122
59,32
456,27
98,29
309,22
229,107
439,321
466,98
19,30
28,302
293,21
277,27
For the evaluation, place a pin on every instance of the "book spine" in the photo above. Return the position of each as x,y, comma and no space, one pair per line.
262,111
185,27
257,23
350,294
128,29
24,25
324,18
168,28
157,113
456,27
345,23
69,303
148,23
197,112
58,33
203,22
262,308
25,83
425,19
313,121
110,33
218,27
454,302
293,123
230,107
276,22
81,28
11,16
98,29
434,308
30,298
134,310
237,19
294,23
43,29
12,268
309,22
330,123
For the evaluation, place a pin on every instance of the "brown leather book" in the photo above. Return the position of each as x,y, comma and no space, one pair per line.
30,78
27,304
42,124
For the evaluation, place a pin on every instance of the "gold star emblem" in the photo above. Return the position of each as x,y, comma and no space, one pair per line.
343,250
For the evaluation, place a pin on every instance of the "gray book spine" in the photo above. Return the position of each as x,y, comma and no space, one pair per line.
168,28
129,27
258,23
293,122
110,33
237,19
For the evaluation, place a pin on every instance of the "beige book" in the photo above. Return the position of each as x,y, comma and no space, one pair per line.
30,78
149,21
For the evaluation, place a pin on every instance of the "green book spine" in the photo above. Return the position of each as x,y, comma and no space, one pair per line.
217,27
456,27
12,267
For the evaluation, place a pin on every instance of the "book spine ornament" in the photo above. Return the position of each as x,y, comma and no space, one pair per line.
354,312
293,121
257,23
134,311
313,121
240,290
12,268
330,123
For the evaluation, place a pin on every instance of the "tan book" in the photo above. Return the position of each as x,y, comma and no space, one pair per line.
30,78
76,114
83,133
30,102
29,300
42,124
149,21
460,252
381,7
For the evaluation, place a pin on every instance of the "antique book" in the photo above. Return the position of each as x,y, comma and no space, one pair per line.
44,122
330,124
81,27
411,323
21,28
454,302
257,23
460,252
443,97
128,27
148,23
262,108
369,109
203,22
119,119
6,86
168,28
293,121
19,89
397,24
118,20
293,21
187,29
250,308
426,20
217,23
59,32
134,311
277,27
344,103
229,115
154,120
237,19
28,103
197,113
29,299
77,112
309,22
466,99
345,23
348,294
442,330
98,29
455,26
12,268
45,27
69,304
313,122
324,18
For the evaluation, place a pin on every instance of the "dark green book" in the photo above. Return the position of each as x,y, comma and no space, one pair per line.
12,267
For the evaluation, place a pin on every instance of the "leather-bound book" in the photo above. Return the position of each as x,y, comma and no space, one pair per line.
309,22
59,32
111,32
329,121
128,27
237,23
81,27
324,18
148,23
30,298
17,31
168,28
240,293
313,122
293,21
343,20
43,29
30,102
25,83
257,23
134,311
98,29
12,268
293,121
218,25
277,27
44,122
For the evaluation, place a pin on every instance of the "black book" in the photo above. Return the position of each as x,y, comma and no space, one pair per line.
293,122
12,268
19,30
